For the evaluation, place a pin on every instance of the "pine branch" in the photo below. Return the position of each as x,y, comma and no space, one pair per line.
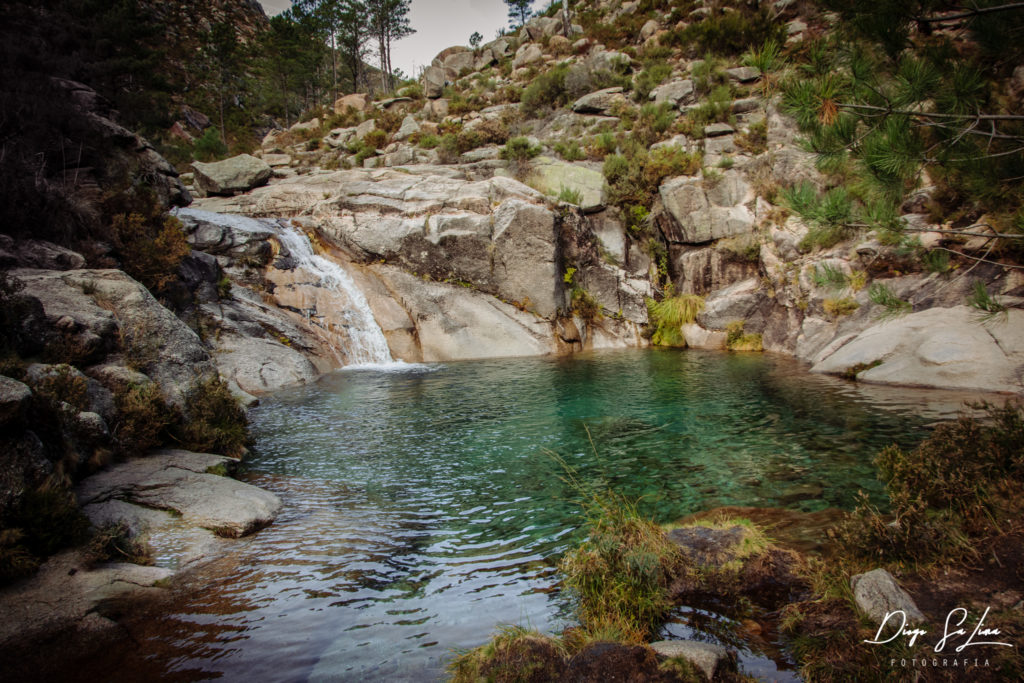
932,115
970,13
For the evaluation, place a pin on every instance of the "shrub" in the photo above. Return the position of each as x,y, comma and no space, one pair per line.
448,148
142,418
214,422
151,247
545,92
731,33
714,109
634,177
653,75
891,304
209,146
512,654
736,340
429,141
115,543
956,488
669,315
755,140
570,151
64,385
602,145
743,248
828,215
376,138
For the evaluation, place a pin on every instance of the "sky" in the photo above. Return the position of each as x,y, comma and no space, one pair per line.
439,24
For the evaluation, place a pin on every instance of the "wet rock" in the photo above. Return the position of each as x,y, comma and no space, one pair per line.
177,480
231,176
713,660
877,593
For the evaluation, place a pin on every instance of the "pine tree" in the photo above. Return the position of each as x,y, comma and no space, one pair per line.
389,21
475,39
518,12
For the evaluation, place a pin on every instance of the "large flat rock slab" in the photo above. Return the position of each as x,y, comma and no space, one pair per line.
939,347
182,482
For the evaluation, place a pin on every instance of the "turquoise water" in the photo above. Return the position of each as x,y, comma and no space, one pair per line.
425,507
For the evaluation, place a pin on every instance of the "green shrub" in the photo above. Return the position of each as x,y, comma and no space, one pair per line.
669,315
547,91
737,340
633,178
828,215
653,75
209,147
754,140
376,138
151,246
429,141
519,149
214,422
891,304
570,151
448,148
714,109
837,308
64,385
731,33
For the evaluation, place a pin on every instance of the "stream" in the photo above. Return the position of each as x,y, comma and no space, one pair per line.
428,504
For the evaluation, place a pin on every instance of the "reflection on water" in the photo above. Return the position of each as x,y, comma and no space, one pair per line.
423,508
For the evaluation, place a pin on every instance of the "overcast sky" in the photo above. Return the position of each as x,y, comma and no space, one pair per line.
439,24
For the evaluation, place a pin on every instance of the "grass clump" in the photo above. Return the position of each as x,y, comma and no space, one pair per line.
837,308
620,575
514,654
755,140
568,194
669,315
116,543
742,249
954,490
216,422
737,340
892,306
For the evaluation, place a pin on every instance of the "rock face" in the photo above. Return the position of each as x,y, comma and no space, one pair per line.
433,82
120,311
454,323
676,92
877,594
707,210
944,347
237,174
179,481
553,176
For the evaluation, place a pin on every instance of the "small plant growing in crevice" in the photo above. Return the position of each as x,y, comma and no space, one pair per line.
737,340
669,315
837,308
116,543
988,309
892,306
143,417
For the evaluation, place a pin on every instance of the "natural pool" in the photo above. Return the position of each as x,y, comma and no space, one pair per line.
424,507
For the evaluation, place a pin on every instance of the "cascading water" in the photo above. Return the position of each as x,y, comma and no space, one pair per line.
367,345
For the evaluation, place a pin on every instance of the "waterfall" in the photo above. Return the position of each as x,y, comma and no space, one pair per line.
367,345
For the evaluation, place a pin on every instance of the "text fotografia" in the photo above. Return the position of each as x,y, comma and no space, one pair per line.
956,635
